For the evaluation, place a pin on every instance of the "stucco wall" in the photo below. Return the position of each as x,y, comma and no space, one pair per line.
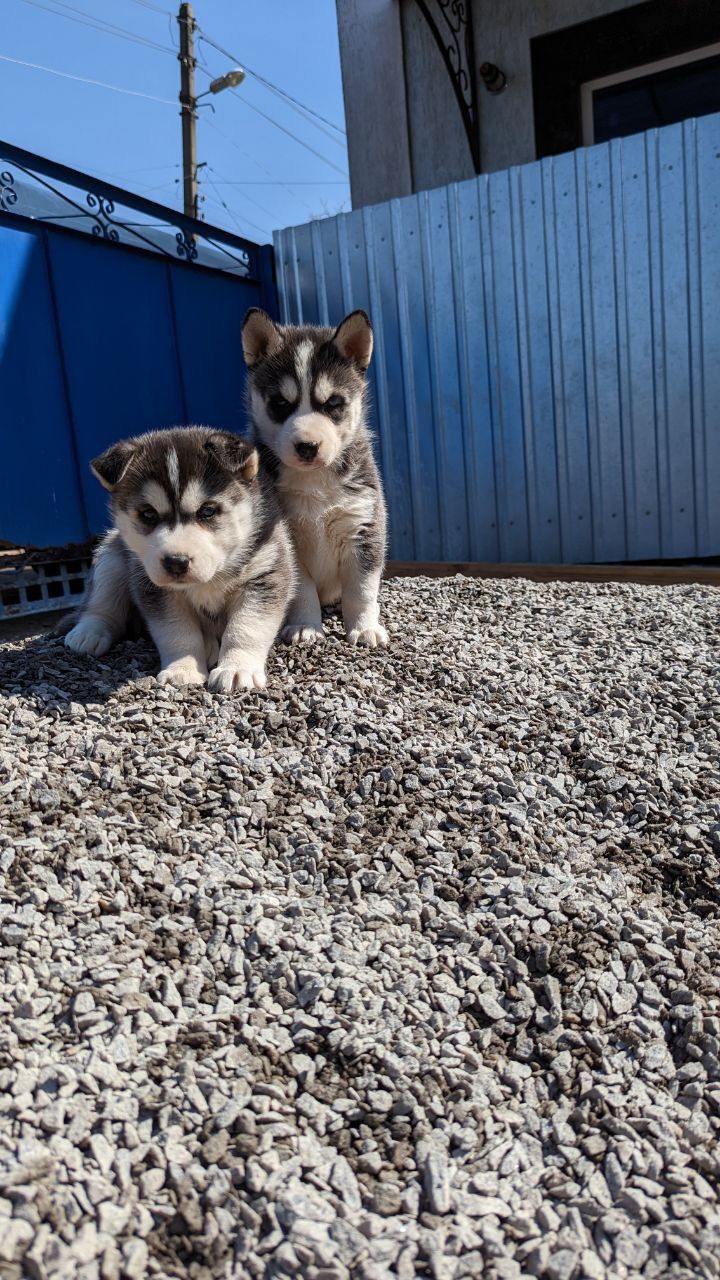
371,57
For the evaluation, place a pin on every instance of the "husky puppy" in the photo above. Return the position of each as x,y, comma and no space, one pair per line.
200,550
307,389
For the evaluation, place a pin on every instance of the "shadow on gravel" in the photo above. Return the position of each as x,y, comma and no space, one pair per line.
42,667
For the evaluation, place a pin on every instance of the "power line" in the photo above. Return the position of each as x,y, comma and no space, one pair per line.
289,132
90,20
145,4
141,187
81,16
252,160
100,84
268,83
277,182
263,208
304,115
148,168
162,186
249,222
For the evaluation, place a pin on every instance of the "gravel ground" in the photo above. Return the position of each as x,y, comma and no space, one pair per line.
408,967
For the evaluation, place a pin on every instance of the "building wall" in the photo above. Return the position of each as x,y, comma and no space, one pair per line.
502,35
371,57
405,132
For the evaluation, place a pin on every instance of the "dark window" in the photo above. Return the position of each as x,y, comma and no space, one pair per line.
630,41
650,101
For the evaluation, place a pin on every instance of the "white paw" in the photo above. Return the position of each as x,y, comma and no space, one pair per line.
299,633
89,635
374,637
182,673
230,676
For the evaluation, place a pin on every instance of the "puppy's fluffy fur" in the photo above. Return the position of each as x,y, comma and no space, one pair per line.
199,549
307,389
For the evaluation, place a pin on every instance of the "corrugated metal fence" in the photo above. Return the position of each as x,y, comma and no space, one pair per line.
547,378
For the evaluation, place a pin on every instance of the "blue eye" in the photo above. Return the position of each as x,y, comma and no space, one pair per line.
148,515
207,511
335,402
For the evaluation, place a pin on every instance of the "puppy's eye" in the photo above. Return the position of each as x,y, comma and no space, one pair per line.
148,515
335,402
279,403
207,511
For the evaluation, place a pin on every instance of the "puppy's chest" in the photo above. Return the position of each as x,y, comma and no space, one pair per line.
325,516
210,605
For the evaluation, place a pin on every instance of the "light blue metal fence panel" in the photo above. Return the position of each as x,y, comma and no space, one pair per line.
562,208
535,356
405,386
706,340
547,379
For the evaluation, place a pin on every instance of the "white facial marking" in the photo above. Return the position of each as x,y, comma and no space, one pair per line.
173,469
289,389
303,356
155,496
323,388
193,496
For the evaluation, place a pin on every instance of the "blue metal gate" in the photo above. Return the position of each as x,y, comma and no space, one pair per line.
547,378
126,322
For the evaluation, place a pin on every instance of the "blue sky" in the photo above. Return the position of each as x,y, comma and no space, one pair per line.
266,178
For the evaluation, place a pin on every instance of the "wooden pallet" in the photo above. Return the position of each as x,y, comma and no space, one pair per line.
660,575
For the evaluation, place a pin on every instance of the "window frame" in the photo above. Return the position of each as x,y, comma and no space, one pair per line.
589,87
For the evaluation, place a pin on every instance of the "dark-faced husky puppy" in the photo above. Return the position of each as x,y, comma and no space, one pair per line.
307,389
199,549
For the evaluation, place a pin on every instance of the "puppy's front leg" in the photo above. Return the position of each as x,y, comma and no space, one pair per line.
360,606
304,624
180,642
254,619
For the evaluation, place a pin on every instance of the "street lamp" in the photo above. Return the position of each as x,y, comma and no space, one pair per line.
230,80
188,105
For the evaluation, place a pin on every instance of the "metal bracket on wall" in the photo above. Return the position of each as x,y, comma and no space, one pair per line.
451,24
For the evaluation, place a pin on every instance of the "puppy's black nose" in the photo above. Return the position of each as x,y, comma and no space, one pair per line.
307,450
176,566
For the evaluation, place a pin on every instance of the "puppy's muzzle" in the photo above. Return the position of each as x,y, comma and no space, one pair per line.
176,566
306,450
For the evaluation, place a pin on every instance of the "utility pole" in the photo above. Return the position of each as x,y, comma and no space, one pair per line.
186,23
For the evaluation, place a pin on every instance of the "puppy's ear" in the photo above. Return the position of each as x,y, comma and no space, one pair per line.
261,337
234,455
354,339
111,466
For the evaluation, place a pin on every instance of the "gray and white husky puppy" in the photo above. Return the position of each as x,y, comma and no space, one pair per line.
200,550
307,391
